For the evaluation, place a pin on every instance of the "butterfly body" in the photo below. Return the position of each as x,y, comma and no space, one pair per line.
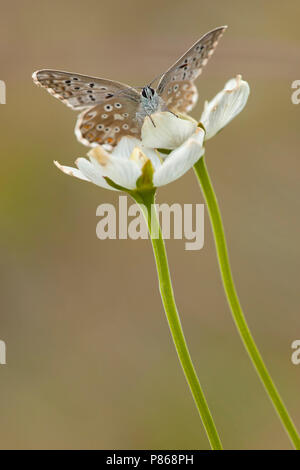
150,103
111,109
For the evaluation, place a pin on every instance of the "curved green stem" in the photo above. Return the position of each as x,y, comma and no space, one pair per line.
146,202
237,313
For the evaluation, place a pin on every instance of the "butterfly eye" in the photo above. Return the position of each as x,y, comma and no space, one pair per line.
152,91
144,93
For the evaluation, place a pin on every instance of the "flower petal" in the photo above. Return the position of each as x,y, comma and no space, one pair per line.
93,172
169,131
121,171
68,170
180,160
86,173
126,146
227,104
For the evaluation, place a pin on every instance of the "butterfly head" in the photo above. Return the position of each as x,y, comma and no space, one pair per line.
150,100
148,92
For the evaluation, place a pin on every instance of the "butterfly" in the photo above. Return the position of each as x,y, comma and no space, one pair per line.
111,110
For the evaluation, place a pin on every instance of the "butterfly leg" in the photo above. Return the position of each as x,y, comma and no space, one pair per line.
173,113
152,120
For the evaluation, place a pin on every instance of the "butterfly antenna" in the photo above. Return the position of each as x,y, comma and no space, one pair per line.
123,90
156,78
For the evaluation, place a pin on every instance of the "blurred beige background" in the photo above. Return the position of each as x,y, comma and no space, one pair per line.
90,362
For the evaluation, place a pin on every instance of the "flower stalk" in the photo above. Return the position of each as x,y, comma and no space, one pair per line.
146,201
232,297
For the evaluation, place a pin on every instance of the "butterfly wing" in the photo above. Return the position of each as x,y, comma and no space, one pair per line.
180,95
80,91
109,107
108,122
176,86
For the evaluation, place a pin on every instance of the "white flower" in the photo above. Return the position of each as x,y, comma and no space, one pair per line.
132,165
170,132
227,104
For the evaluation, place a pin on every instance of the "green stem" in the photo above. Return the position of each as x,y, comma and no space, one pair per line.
237,313
146,201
